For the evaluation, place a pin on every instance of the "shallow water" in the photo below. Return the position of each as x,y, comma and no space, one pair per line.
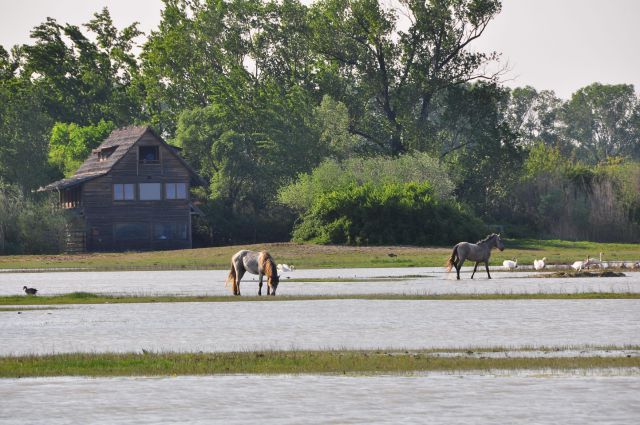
326,324
561,398
430,280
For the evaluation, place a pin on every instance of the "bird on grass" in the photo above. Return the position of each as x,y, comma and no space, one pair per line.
29,291
539,264
509,264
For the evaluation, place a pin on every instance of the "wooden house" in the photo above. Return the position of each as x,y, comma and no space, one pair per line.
132,193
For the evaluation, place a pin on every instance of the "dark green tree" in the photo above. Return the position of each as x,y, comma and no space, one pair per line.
602,121
197,47
535,116
392,74
479,146
85,81
24,126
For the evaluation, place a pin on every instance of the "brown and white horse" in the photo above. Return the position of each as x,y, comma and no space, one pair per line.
260,263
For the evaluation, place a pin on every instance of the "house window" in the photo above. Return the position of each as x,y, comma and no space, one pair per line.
131,231
149,191
148,154
170,231
175,190
124,192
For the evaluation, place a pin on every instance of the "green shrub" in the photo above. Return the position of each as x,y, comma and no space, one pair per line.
393,213
28,225
333,175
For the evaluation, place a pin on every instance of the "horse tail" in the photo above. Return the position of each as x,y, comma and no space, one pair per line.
232,278
451,260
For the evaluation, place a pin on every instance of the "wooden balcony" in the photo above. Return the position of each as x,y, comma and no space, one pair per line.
71,198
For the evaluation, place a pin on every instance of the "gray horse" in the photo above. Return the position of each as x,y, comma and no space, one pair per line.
478,252
260,263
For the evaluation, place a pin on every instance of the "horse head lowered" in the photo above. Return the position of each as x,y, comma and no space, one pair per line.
260,263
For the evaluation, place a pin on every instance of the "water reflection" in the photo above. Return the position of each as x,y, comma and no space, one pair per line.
285,399
326,324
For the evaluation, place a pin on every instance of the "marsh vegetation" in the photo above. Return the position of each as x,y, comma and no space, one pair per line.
279,362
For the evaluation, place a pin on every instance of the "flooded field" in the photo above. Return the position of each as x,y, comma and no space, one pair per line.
346,281
581,397
325,324
566,398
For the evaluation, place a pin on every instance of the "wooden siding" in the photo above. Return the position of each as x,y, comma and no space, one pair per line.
102,212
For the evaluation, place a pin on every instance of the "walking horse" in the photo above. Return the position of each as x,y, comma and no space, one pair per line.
478,252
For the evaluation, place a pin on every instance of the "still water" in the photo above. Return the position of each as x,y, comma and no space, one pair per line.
324,324
415,280
532,398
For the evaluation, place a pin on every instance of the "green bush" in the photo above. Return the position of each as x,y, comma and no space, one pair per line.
393,213
334,175
29,226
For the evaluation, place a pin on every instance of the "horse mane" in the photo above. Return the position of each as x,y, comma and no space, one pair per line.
267,263
487,239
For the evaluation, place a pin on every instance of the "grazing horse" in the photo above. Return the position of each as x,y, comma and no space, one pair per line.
260,263
478,252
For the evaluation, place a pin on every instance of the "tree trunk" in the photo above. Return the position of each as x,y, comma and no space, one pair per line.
396,145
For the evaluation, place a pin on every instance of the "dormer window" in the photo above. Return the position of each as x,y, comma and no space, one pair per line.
149,154
105,153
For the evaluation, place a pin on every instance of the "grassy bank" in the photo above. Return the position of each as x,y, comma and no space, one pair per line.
276,362
319,256
89,298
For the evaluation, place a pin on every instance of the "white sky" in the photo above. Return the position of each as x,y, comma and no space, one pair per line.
560,45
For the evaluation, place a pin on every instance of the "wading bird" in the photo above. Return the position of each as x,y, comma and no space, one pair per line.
578,265
539,264
509,264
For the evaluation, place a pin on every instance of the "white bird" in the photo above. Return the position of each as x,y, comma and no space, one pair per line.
285,268
539,264
578,265
593,262
510,265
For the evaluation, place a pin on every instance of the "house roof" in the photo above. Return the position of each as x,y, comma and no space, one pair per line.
116,146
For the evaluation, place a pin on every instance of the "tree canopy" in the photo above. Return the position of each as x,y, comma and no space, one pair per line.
272,97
